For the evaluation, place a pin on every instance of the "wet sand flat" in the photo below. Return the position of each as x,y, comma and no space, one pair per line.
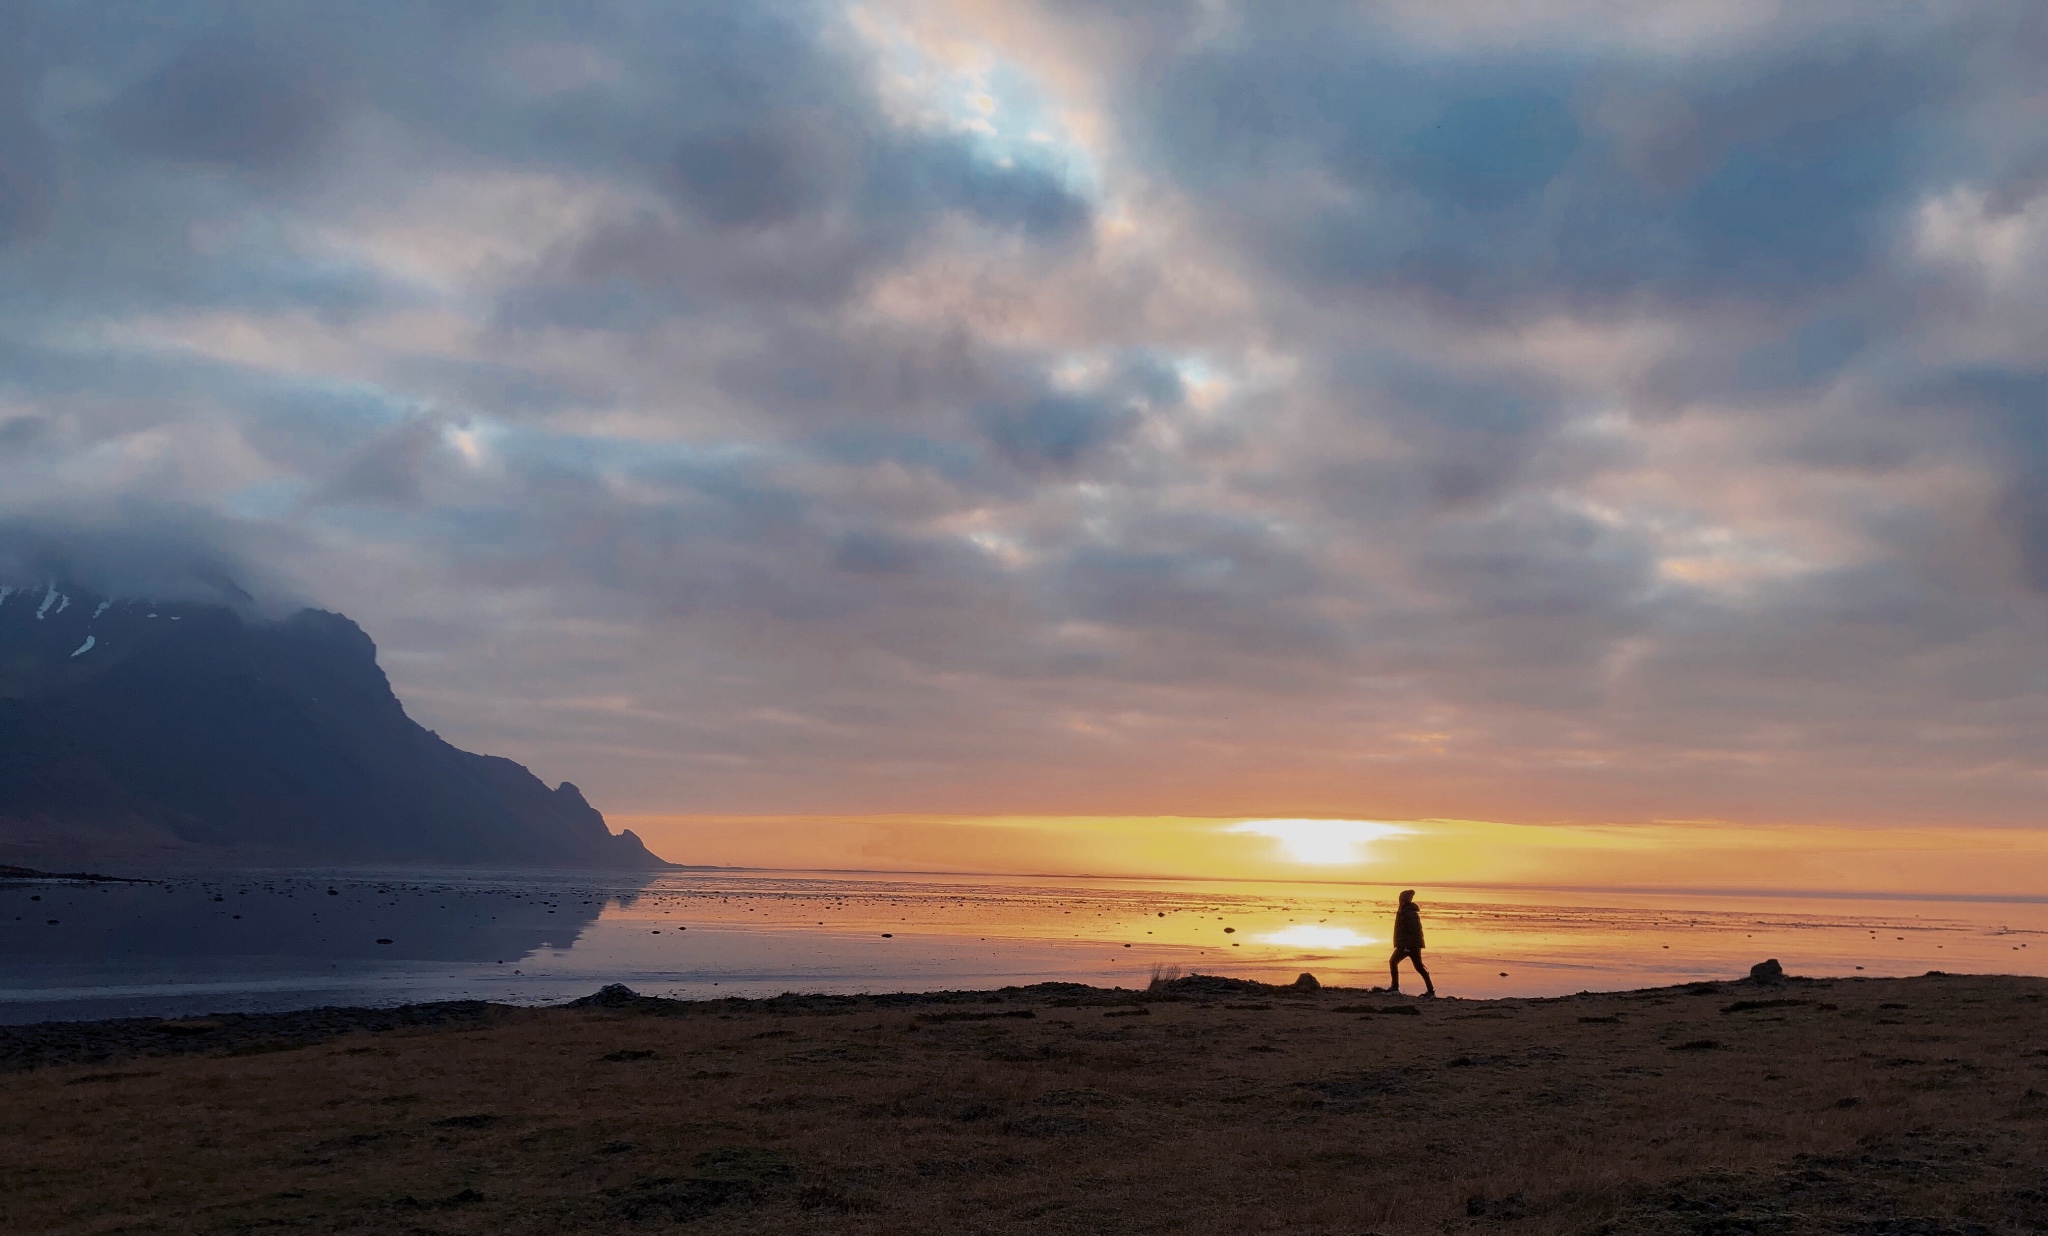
1899,1106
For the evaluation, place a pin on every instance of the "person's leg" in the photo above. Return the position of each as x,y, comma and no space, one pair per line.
1394,971
1428,987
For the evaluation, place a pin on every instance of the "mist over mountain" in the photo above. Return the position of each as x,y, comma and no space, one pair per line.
201,733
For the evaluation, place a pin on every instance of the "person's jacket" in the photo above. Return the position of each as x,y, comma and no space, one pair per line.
1408,927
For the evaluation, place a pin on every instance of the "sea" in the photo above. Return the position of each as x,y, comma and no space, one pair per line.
270,940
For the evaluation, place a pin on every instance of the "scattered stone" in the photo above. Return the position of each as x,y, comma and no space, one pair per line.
612,996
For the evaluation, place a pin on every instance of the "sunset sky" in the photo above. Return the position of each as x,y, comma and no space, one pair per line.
1081,417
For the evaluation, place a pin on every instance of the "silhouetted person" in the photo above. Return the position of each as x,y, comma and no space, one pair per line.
1408,943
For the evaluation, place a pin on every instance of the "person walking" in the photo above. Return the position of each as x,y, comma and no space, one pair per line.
1408,943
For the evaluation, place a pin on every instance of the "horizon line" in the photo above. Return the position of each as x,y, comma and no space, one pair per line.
1480,886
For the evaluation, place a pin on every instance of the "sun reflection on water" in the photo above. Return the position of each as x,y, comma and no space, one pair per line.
1309,935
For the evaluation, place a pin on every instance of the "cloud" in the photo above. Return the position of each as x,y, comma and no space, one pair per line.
1490,182
227,103
26,193
157,553
387,470
1169,408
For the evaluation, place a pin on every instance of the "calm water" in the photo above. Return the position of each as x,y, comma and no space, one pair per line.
281,939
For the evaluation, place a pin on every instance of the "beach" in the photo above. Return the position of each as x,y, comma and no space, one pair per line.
1202,1105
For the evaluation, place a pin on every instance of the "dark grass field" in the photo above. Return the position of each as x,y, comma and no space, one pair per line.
1911,1107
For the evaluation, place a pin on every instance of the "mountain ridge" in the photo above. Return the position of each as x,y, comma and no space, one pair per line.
208,733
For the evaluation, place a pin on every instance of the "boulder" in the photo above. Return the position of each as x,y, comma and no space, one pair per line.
1307,982
1769,973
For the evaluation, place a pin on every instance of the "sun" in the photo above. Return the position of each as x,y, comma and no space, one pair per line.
1326,843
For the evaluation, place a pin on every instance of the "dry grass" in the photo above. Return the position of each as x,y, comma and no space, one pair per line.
1857,1103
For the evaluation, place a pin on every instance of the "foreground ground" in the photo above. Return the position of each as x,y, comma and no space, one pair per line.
1909,1107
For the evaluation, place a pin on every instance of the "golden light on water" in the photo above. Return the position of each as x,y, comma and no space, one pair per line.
1322,842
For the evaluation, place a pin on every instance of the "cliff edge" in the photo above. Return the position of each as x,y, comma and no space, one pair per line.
191,733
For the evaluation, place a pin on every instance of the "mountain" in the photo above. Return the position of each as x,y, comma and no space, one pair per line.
206,734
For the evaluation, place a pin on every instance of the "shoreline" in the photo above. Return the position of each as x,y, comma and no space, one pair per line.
29,1045
260,942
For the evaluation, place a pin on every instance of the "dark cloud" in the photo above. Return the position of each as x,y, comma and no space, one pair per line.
1489,182
229,103
27,161
868,553
948,175
387,471
19,433
1059,431
757,177
1488,152
1054,431
2008,410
